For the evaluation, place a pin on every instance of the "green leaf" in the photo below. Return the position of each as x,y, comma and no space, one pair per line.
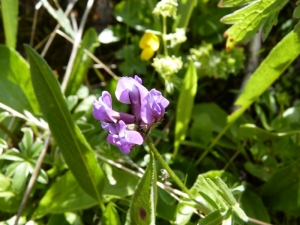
66,195
213,218
185,105
259,212
26,142
20,177
9,200
10,10
281,192
16,88
143,204
82,61
231,3
110,216
76,151
268,71
248,20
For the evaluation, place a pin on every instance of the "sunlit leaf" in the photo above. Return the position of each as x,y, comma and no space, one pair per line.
75,149
110,216
10,10
16,88
185,105
248,20
268,71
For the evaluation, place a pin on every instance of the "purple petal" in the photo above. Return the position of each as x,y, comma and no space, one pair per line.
138,79
111,127
130,89
134,137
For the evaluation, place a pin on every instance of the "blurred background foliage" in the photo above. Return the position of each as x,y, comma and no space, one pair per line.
257,156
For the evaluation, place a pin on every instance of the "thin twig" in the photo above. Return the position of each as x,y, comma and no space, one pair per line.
76,45
51,38
93,57
35,16
33,178
258,221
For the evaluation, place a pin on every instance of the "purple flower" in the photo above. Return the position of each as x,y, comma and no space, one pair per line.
153,107
103,111
130,91
125,139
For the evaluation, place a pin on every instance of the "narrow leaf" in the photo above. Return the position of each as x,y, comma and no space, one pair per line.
75,149
185,105
143,204
268,71
10,10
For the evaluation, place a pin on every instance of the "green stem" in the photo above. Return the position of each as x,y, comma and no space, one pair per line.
164,34
213,143
167,168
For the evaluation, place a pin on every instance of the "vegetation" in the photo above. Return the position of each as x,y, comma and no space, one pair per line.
198,103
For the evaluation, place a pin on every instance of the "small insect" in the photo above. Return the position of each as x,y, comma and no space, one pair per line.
164,175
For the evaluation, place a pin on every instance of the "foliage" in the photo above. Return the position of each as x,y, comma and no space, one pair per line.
226,151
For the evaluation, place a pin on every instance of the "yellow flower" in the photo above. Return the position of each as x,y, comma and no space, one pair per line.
149,43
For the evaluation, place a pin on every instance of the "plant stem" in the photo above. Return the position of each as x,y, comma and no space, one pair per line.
164,33
167,168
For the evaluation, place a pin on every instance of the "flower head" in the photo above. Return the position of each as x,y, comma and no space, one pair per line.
149,43
166,8
127,130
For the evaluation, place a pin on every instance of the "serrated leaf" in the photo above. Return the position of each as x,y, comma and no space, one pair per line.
16,88
185,105
82,61
248,20
143,204
10,10
76,151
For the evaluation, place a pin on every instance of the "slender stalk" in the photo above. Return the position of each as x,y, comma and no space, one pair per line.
75,45
213,143
93,57
164,34
167,168
51,38
33,179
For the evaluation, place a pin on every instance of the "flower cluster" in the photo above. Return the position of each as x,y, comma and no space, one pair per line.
127,130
